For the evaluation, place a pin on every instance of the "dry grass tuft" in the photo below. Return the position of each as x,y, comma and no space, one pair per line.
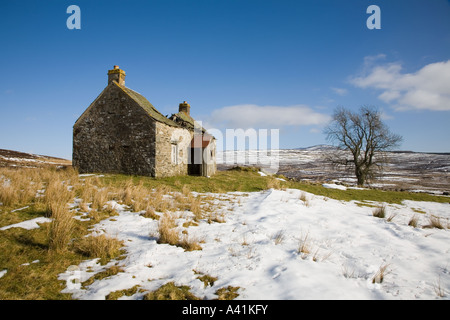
168,233
413,222
273,183
102,246
228,293
380,212
435,222
170,291
115,295
279,237
304,246
61,228
381,273
189,243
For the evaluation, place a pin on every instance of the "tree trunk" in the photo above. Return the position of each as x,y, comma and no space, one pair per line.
360,176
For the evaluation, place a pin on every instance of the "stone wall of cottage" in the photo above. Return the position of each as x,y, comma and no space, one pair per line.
168,140
115,135
209,159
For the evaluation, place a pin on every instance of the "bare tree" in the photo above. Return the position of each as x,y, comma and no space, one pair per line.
364,137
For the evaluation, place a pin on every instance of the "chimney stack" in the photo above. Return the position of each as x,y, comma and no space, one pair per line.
185,107
116,74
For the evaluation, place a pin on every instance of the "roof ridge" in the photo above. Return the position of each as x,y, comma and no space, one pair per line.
147,106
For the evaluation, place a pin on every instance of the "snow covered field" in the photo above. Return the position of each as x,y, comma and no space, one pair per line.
282,244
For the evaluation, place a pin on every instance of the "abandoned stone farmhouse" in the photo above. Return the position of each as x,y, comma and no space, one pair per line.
122,132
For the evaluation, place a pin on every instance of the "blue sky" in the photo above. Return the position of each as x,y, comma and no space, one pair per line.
239,63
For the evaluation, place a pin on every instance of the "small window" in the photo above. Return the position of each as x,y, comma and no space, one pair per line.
174,153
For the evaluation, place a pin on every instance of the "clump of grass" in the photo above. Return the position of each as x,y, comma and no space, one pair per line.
440,292
120,293
380,212
111,271
150,213
273,183
391,217
206,279
279,237
61,227
316,257
8,194
170,291
381,273
195,208
348,273
169,234
305,199
413,222
101,246
167,230
189,243
304,246
435,222
215,217
228,293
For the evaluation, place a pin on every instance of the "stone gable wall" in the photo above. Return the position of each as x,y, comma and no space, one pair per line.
115,136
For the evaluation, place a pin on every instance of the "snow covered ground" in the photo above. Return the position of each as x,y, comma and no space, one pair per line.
282,244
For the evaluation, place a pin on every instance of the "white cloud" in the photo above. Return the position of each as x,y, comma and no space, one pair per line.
254,116
426,89
340,91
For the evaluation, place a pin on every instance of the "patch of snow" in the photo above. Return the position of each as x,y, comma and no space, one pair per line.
334,186
20,209
28,224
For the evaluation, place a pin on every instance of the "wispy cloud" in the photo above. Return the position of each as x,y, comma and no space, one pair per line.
425,89
255,116
340,91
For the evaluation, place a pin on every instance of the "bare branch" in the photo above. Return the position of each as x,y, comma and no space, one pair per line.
364,135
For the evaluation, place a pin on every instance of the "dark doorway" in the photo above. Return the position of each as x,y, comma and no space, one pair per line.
195,166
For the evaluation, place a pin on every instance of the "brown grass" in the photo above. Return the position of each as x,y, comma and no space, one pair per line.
170,291
168,233
228,293
61,227
380,212
189,243
102,246
381,273
435,222
413,222
304,246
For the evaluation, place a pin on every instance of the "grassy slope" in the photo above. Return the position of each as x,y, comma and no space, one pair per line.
39,280
248,180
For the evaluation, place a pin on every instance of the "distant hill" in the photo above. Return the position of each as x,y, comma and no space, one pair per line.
325,147
318,147
11,158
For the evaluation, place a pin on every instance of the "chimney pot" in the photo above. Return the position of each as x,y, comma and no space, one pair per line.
116,74
185,107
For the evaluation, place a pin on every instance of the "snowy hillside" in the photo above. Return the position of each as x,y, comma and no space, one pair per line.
411,171
283,244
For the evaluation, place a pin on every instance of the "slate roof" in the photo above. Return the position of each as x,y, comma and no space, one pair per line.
147,106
